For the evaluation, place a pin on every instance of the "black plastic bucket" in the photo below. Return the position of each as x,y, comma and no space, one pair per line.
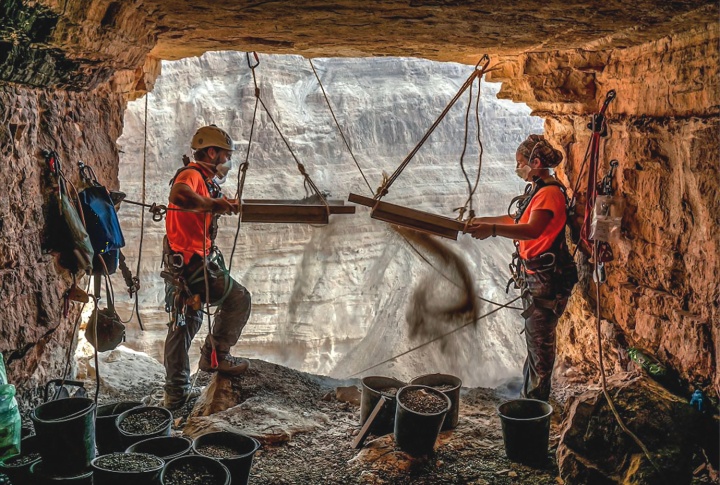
239,463
107,436
372,387
66,434
445,380
129,438
165,447
43,475
526,429
17,468
221,475
416,432
107,474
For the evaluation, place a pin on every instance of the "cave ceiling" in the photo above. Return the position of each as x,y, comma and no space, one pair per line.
78,44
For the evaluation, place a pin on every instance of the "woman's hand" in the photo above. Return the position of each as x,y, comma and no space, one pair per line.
480,230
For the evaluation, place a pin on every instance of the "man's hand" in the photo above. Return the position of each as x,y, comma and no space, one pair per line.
225,206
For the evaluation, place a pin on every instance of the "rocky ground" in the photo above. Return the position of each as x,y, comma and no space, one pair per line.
307,423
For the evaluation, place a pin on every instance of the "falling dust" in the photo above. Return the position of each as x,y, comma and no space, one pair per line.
444,298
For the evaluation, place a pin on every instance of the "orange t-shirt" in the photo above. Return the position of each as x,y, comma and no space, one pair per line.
548,198
185,229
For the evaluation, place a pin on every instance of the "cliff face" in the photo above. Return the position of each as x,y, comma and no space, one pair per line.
68,67
338,299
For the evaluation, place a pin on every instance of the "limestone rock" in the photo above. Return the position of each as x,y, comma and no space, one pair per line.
594,449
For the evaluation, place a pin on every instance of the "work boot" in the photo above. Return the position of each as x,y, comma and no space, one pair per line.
172,402
227,365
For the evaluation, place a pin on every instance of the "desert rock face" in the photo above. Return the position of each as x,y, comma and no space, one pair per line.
68,69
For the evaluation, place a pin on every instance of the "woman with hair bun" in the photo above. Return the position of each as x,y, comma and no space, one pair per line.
544,272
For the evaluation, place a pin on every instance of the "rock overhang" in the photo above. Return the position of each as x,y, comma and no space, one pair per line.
80,44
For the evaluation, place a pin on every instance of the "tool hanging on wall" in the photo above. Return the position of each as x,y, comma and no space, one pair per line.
413,218
313,209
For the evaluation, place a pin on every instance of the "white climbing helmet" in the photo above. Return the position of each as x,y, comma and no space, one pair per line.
211,136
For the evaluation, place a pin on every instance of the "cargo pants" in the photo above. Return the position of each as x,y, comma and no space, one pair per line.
230,319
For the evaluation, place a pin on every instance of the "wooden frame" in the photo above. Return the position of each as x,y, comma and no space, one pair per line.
410,218
291,212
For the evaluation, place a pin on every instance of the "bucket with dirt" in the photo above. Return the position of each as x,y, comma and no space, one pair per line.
43,475
65,431
448,385
234,450
107,436
526,429
165,447
373,388
195,469
419,415
17,467
143,422
127,469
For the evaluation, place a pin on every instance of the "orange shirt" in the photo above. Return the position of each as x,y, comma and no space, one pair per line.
185,229
548,198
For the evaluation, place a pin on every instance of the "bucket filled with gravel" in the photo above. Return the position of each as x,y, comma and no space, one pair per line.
234,450
195,470
419,416
143,422
127,469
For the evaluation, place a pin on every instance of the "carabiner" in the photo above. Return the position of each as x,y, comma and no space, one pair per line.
257,60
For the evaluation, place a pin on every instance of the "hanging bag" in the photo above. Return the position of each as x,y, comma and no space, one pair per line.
104,330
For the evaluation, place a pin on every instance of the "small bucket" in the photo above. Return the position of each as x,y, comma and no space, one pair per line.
416,432
107,436
165,447
17,468
129,438
42,475
106,474
239,463
453,392
65,431
526,429
372,387
221,475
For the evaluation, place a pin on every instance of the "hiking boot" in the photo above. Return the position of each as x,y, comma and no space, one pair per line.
172,402
227,365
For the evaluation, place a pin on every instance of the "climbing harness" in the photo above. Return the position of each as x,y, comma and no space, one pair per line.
556,259
419,220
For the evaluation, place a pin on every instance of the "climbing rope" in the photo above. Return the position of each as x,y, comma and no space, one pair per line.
477,72
301,168
468,206
412,246
342,135
439,337
601,363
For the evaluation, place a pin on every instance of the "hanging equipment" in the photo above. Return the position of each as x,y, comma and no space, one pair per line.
314,209
413,218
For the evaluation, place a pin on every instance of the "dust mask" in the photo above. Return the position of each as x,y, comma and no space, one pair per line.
523,172
221,172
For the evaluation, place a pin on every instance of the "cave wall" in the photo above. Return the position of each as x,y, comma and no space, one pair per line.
662,292
68,67
78,126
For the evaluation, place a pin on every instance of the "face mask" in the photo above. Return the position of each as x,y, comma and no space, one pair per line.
523,172
221,172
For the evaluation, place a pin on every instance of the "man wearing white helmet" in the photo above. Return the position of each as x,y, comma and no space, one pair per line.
196,189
